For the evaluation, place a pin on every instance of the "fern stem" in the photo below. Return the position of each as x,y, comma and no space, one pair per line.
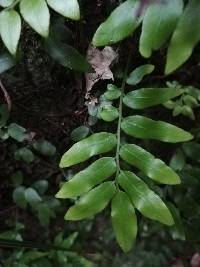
120,118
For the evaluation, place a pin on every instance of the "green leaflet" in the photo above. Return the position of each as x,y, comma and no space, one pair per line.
80,133
93,145
185,37
138,74
178,160
192,150
92,203
145,128
124,220
159,22
176,230
36,14
67,8
85,180
120,24
67,56
6,3
148,97
10,29
113,92
144,199
154,168
109,113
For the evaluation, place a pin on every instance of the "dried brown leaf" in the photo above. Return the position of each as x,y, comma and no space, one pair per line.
101,62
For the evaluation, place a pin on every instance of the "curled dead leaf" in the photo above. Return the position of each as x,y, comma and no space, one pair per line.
101,62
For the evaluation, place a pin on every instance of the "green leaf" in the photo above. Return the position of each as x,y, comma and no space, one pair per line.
6,62
80,133
109,113
19,197
32,197
17,132
137,75
41,186
36,14
124,221
112,93
6,3
70,240
144,199
192,150
148,97
24,154
92,203
176,230
120,24
154,168
10,29
93,145
30,256
145,128
44,147
44,214
159,22
67,56
185,37
85,180
177,161
67,8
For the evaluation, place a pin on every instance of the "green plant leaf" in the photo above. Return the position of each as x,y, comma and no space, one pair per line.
36,14
109,113
41,186
10,29
67,8
112,93
192,150
93,145
148,97
30,256
85,180
124,221
45,213
159,22
6,3
80,133
176,230
144,199
44,147
70,240
6,62
120,24
137,75
19,197
92,203
154,168
178,161
32,196
67,56
17,132
24,154
185,37
145,128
